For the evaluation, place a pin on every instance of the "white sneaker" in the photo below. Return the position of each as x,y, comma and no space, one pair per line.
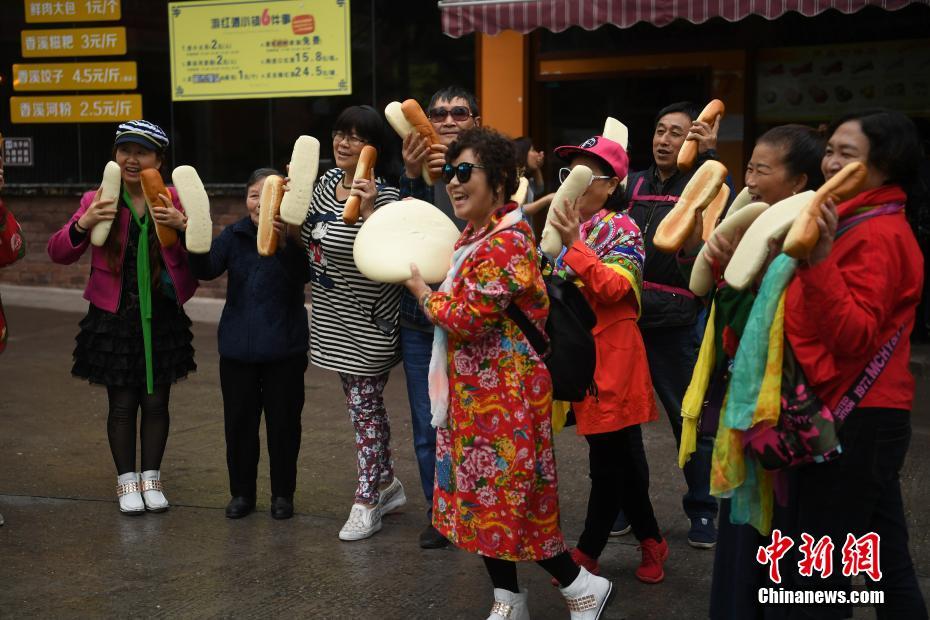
509,606
587,596
129,493
153,491
392,497
363,522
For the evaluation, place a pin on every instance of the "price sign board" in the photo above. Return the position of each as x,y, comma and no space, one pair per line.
45,12
75,108
74,42
120,75
225,49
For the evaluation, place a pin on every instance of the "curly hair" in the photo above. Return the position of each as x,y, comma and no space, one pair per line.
495,152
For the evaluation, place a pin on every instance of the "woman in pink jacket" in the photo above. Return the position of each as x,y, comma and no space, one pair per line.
135,339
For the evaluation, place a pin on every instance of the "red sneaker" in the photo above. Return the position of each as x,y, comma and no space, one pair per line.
654,555
581,558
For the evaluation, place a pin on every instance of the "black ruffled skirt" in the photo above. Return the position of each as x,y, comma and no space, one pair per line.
110,349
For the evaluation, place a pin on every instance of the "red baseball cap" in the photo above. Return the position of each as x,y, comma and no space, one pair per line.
608,151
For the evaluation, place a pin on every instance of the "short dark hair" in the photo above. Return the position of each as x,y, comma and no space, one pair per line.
365,121
894,146
685,107
804,147
260,173
494,151
451,92
522,146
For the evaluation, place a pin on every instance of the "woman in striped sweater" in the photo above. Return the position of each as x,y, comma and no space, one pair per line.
354,321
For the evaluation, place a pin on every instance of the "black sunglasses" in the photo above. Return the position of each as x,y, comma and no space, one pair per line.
459,113
462,171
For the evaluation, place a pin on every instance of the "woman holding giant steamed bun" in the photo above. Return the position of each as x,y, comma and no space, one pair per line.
496,485
857,292
354,321
135,338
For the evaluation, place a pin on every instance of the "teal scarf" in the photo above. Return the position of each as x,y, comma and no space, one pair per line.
144,282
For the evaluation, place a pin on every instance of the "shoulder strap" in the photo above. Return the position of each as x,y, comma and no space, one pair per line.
533,335
536,339
867,378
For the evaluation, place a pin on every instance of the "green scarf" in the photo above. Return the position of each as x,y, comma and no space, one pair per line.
144,282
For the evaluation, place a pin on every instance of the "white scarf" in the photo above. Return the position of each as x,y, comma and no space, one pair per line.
439,361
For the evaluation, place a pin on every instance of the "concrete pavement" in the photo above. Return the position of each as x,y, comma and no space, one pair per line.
65,550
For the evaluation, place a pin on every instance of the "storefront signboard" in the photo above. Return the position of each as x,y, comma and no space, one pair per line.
223,49
824,82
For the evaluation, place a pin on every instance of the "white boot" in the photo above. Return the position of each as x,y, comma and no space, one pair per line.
587,596
509,606
153,491
129,493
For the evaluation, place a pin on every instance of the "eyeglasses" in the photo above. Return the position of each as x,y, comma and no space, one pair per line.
459,113
354,140
564,172
462,171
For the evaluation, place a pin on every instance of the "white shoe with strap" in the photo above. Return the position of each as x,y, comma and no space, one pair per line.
129,493
509,606
587,596
153,491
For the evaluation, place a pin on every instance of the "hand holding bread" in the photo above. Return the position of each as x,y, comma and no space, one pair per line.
99,212
302,171
269,206
678,224
408,117
710,115
156,195
574,185
805,232
109,192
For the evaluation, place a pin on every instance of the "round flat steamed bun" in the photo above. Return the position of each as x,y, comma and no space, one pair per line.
404,232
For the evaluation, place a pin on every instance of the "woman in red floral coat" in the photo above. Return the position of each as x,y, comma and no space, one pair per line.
496,486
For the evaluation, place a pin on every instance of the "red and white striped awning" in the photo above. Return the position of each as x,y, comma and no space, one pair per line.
461,17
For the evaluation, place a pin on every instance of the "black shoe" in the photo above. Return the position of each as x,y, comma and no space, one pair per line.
239,507
282,508
430,538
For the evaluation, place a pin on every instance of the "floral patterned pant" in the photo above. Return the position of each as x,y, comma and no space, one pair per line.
365,402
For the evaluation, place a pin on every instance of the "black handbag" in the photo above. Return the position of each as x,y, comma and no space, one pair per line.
570,354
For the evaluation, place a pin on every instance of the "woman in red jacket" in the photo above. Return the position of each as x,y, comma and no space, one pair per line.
604,256
136,338
847,301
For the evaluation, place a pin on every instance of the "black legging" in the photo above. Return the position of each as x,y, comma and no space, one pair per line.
619,479
504,572
121,426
